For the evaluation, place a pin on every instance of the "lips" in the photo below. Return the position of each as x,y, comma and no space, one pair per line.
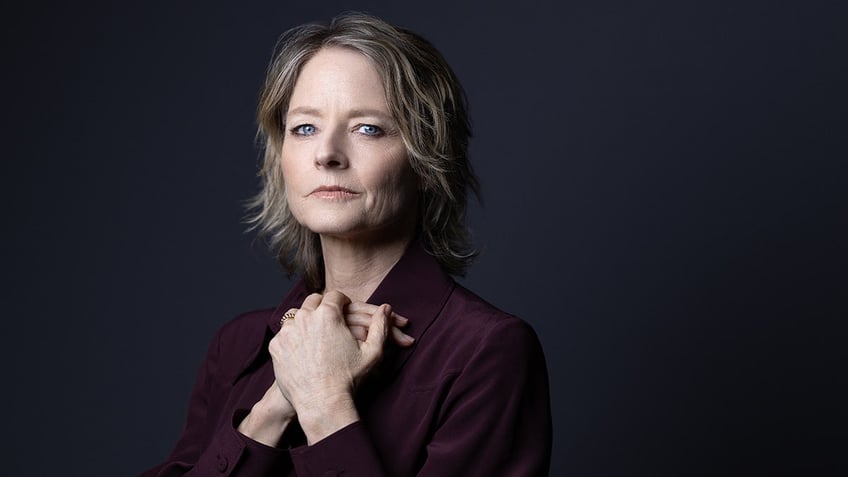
333,192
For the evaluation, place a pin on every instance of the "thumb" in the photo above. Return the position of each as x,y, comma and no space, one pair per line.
378,331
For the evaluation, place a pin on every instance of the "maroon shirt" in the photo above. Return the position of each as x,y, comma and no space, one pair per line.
470,397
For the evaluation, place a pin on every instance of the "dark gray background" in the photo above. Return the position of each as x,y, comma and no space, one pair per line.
665,202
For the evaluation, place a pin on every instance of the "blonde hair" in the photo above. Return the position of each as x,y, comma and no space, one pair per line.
429,105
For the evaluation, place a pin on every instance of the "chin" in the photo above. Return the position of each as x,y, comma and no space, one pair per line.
338,226
349,225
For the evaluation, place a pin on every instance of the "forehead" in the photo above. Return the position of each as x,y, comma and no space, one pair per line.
339,77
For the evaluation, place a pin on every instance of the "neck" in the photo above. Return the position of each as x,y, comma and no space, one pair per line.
355,268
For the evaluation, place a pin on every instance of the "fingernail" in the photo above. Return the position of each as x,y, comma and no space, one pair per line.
387,310
400,320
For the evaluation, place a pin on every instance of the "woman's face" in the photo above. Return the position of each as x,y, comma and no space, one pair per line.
344,162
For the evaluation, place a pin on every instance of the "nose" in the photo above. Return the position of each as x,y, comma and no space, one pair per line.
330,152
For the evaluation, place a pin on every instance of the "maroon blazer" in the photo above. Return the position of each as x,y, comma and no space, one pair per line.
469,398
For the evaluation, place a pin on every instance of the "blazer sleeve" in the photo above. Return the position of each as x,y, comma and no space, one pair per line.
205,449
495,419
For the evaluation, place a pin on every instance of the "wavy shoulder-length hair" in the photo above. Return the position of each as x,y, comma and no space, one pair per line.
430,108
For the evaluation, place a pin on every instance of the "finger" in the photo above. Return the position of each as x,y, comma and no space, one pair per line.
363,322
336,300
311,302
359,332
364,319
401,338
358,307
400,320
377,333
358,319
336,297
288,316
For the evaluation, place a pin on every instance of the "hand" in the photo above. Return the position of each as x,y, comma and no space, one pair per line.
358,318
268,418
318,362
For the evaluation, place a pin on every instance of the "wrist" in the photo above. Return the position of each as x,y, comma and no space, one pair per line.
274,408
321,420
266,423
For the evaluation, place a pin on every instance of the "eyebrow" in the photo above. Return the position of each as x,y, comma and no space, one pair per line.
354,113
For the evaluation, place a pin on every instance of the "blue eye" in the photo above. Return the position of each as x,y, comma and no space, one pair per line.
303,130
370,130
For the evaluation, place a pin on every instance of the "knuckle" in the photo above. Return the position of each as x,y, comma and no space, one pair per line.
273,345
337,308
336,296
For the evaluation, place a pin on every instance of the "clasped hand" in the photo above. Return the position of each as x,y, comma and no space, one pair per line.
319,358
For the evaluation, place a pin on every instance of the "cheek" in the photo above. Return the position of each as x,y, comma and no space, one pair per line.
293,185
292,176
291,156
285,168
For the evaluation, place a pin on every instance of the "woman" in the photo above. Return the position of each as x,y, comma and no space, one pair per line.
365,182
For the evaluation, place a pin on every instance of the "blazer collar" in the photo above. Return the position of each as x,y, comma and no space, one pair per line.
418,288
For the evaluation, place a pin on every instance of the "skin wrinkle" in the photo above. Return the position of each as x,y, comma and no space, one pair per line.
422,94
335,87
363,233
